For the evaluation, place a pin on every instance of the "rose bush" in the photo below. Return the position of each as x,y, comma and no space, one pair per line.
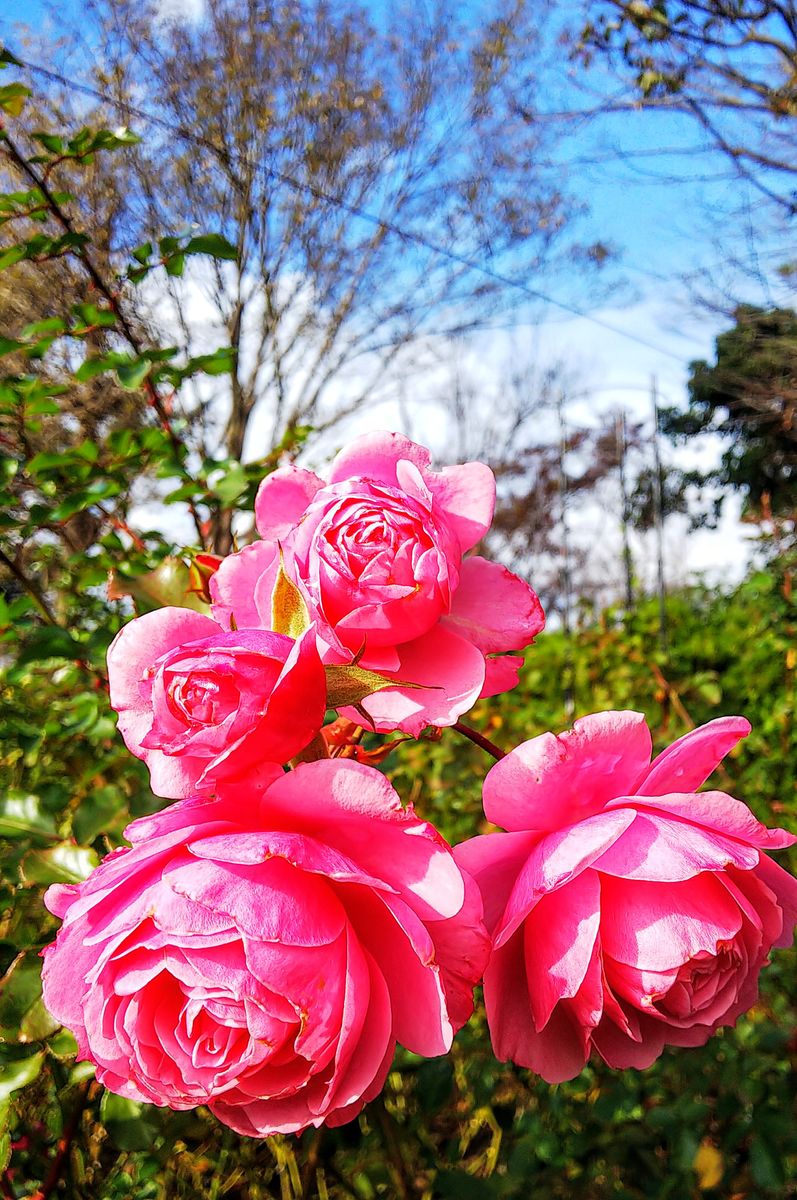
627,910
200,704
378,553
263,952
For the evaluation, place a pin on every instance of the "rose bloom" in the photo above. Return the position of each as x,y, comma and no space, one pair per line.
200,704
262,953
378,554
627,911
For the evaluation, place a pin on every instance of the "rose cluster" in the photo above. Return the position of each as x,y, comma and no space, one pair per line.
265,941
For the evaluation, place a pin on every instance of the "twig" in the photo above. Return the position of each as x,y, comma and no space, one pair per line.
479,740
110,294
30,587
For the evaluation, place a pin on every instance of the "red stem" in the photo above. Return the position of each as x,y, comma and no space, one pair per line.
480,740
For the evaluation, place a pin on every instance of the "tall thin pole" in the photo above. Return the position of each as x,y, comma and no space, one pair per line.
658,515
569,679
628,562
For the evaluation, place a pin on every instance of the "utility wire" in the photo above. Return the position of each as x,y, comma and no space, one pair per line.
325,197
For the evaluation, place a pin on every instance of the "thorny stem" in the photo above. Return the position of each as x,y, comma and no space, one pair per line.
104,288
480,740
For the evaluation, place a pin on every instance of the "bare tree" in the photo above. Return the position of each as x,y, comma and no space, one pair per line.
729,64
339,152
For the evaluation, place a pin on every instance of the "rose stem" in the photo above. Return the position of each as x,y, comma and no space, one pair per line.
479,740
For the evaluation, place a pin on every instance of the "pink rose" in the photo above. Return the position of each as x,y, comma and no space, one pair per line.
263,952
199,704
378,553
627,911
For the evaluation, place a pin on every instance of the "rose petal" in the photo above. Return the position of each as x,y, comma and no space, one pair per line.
689,761
560,934
450,674
282,499
241,588
550,781
493,608
658,926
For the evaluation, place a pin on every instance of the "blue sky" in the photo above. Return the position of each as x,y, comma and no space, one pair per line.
664,213
653,223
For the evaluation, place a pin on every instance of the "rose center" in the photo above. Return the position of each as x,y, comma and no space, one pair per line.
202,699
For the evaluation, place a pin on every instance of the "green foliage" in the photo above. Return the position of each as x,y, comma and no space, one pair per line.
466,1125
747,397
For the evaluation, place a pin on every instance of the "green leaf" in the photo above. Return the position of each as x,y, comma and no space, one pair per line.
50,325
214,244
13,97
126,1122
7,59
20,988
174,264
97,364
458,1185
66,863
21,816
51,641
289,613
169,583
231,485
96,812
765,1165
42,407
19,1073
142,254
5,1135
13,255
131,375
63,1044
37,1023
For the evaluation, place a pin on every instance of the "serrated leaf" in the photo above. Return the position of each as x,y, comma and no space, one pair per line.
289,613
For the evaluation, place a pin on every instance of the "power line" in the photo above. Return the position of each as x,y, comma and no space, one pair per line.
325,197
